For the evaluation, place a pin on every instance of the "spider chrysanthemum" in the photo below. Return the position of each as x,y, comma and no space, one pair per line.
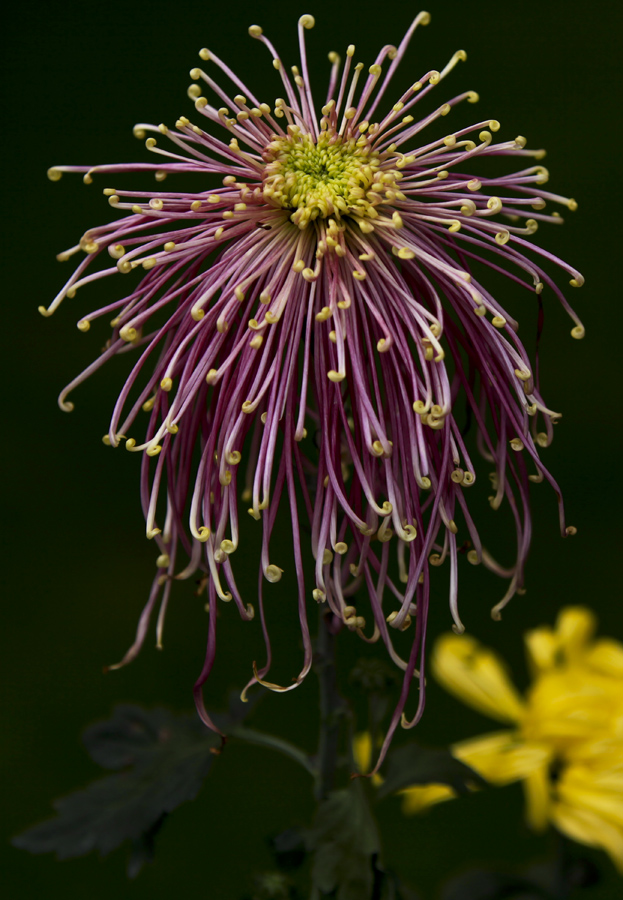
319,319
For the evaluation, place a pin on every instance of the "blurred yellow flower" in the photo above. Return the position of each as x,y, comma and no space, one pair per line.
566,743
415,799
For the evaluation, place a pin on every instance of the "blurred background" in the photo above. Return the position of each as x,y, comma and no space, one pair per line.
77,568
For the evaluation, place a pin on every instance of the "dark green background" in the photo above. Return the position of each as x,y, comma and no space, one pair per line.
77,568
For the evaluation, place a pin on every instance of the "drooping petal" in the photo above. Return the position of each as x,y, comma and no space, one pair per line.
537,790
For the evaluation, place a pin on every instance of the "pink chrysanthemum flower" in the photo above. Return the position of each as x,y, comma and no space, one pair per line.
317,318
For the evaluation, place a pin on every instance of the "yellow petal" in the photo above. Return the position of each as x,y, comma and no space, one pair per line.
537,791
568,642
601,792
575,627
606,656
541,647
605,755
502,758
586,827
477,676
420,797
590,804
362,751
571,705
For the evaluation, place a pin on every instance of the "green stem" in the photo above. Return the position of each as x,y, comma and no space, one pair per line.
260,739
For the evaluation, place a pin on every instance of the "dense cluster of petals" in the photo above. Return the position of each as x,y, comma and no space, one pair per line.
313,333
566,740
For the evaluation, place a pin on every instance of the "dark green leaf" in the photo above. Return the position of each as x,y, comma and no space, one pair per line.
412,764
133,735
143,849
344,840
165,758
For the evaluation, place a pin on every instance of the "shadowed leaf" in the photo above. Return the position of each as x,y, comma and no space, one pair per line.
344,842
144,848
164,758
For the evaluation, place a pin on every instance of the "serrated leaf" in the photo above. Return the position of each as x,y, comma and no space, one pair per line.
344,840
166,758
411,764
143,849
133,735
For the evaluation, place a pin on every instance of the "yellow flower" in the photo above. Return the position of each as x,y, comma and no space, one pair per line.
415,799
566,743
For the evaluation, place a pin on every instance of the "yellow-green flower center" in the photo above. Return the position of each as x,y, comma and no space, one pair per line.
332,177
